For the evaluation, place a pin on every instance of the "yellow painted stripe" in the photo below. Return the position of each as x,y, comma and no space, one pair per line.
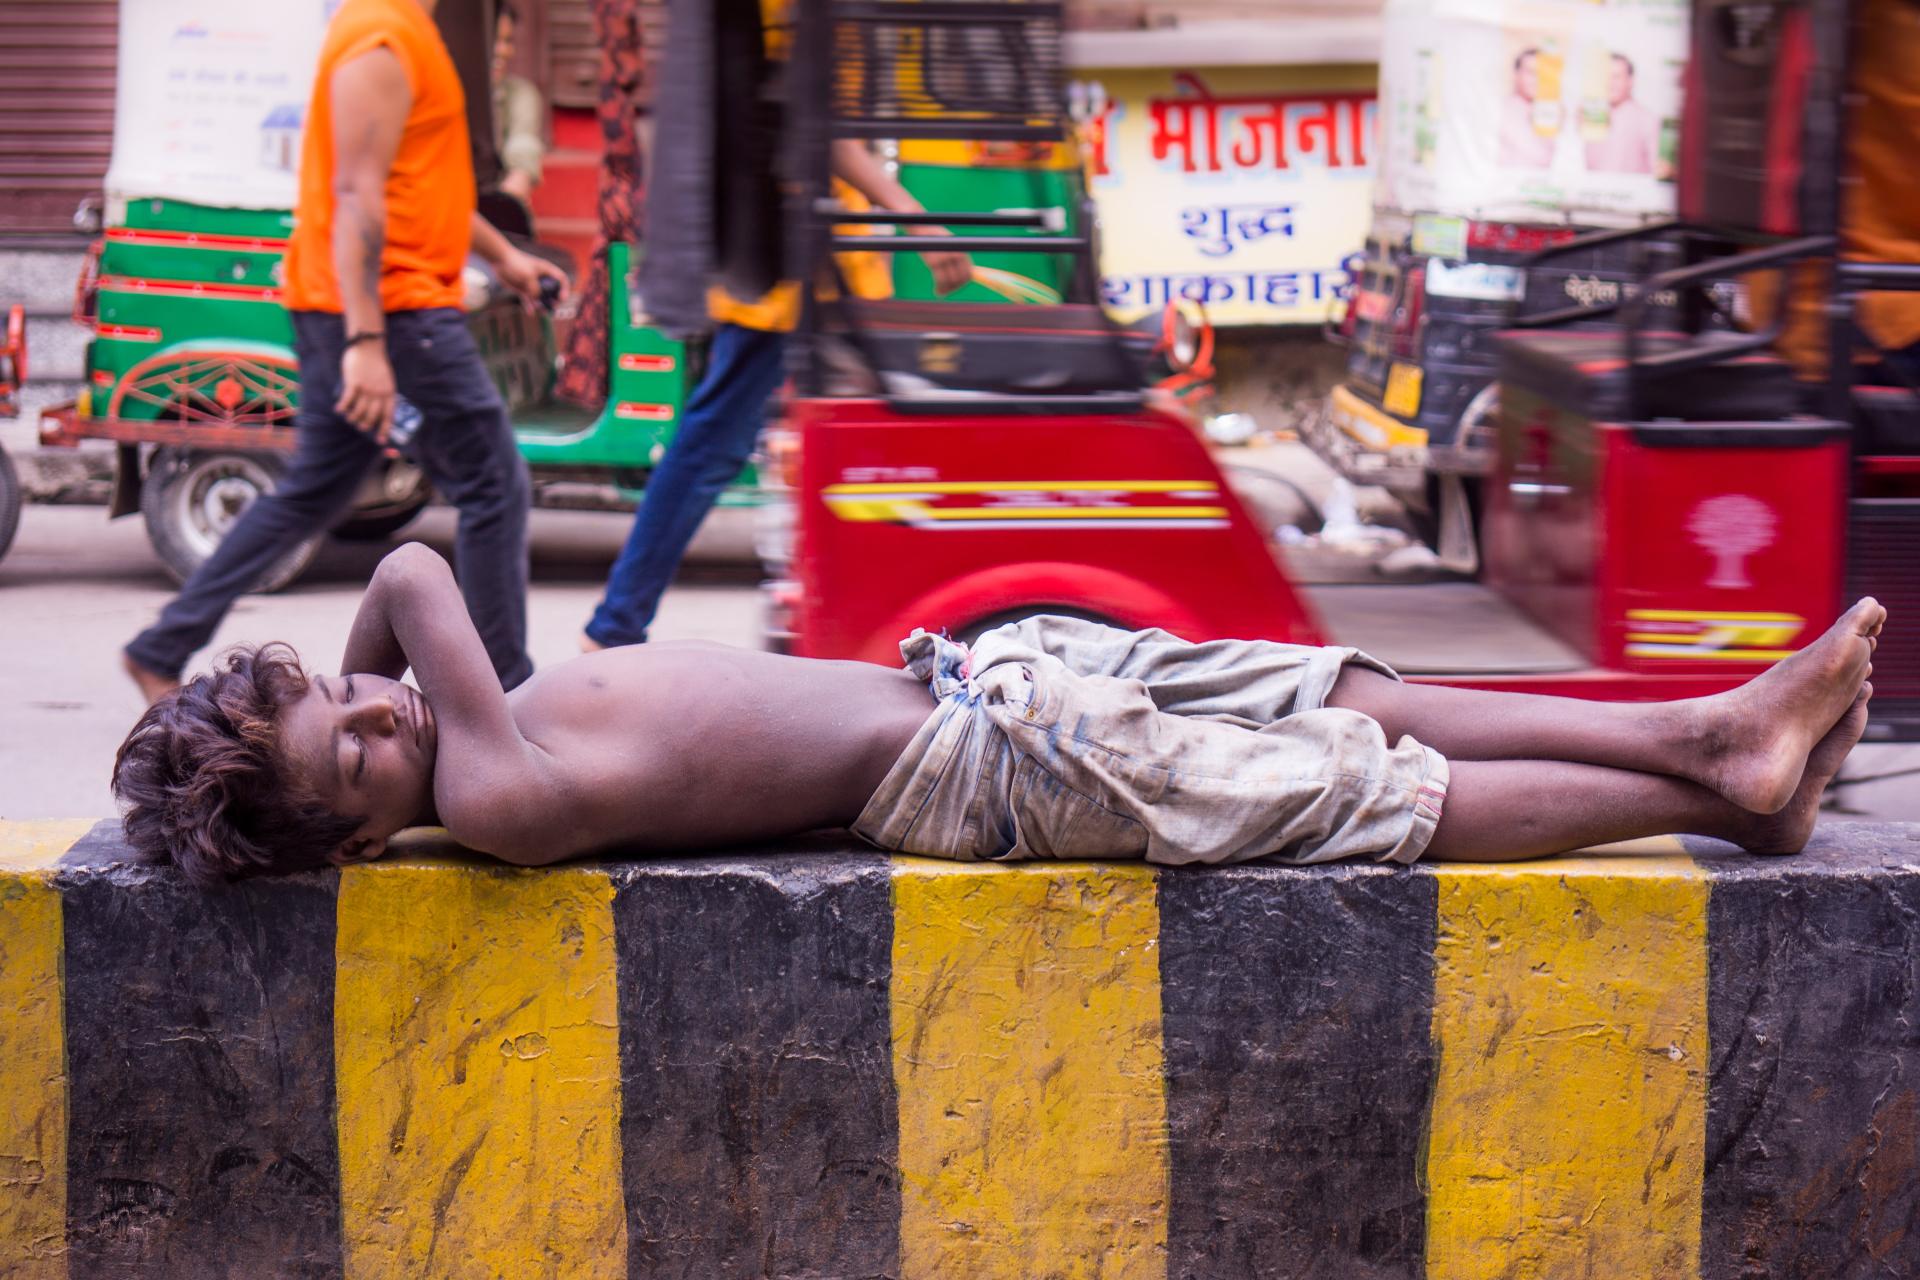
1569,1111
1029,486
29,845
33,1054
478,1059
1027,1054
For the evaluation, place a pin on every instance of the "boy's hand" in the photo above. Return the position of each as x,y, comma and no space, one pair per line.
366,388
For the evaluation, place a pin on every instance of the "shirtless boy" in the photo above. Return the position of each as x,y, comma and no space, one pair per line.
1052,738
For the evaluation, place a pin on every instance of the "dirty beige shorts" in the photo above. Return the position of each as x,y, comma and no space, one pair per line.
1059,738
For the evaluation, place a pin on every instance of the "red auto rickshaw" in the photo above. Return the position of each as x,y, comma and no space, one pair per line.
1669,512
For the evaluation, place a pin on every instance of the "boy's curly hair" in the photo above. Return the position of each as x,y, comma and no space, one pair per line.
202,781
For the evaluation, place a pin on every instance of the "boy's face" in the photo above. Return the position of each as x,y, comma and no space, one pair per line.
364,745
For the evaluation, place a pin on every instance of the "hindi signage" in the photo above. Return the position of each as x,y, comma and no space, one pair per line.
1240,188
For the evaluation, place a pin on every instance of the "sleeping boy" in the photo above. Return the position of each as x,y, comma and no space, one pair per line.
1048,738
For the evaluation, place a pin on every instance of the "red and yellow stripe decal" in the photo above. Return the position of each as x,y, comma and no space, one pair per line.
1691,634
1032,504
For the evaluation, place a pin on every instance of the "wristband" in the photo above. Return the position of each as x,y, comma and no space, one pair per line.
371,335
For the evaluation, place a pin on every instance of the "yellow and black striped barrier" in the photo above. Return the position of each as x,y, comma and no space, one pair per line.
821,1062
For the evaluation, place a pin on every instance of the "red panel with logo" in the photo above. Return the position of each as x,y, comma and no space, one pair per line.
1717,555
940,521
1668,548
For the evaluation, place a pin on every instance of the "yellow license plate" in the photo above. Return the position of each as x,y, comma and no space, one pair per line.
1403,391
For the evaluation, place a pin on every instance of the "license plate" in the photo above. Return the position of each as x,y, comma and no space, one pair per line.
1403,391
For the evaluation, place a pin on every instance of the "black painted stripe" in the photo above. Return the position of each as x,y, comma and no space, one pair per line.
1813,1104
200,1054
1297,1008
759,1117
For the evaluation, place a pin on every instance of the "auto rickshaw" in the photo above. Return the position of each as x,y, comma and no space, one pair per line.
13,372
1665,515
191,370
1465,196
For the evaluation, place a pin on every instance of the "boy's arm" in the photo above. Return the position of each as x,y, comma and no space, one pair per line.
490,783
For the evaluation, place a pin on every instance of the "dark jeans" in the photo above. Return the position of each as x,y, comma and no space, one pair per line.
465,445
723,418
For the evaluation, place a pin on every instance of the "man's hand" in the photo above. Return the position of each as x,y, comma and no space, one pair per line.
950,269
366,388
522,272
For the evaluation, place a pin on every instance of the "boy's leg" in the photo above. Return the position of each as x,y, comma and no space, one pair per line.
1747,744
716,436
1497,810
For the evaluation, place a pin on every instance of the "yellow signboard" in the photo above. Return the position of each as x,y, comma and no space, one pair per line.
1239,188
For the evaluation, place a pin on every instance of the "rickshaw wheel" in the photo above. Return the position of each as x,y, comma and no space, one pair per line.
191,500
9,502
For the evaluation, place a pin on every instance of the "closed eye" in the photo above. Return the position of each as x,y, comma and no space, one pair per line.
360,771
349,697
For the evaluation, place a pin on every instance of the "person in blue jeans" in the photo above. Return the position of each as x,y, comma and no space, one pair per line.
728,407
722,420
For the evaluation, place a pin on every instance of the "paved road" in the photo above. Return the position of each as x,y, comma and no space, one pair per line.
76,587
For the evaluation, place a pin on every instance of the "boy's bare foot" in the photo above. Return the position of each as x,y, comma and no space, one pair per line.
153,685
1788,830
589,645
1749,744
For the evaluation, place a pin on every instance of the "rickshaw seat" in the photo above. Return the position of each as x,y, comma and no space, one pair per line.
1586,371
1888,418
994,348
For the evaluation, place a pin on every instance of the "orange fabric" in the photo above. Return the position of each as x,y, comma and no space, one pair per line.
430,190
1880,195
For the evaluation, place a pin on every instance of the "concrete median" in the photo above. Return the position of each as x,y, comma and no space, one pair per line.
816,1061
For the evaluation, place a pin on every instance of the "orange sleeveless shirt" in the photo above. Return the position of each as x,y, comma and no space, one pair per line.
430,189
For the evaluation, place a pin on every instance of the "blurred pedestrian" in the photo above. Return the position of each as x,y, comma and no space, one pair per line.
728,408
519,112
382,228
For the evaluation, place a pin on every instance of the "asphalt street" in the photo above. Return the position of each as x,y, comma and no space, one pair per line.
76,587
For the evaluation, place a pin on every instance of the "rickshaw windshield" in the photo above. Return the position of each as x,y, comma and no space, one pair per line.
212,110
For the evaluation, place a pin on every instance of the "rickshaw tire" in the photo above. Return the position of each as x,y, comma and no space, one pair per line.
166,497
9,502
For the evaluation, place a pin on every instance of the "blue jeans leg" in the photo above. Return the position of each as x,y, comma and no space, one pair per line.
723,418
328,464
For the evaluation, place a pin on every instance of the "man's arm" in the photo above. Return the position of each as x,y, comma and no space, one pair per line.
517,269
495,791
371,98
860,169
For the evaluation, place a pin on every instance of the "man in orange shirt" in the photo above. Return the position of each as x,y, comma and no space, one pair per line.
383,225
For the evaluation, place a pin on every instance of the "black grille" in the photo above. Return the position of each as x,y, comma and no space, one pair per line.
1884,562
985,70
